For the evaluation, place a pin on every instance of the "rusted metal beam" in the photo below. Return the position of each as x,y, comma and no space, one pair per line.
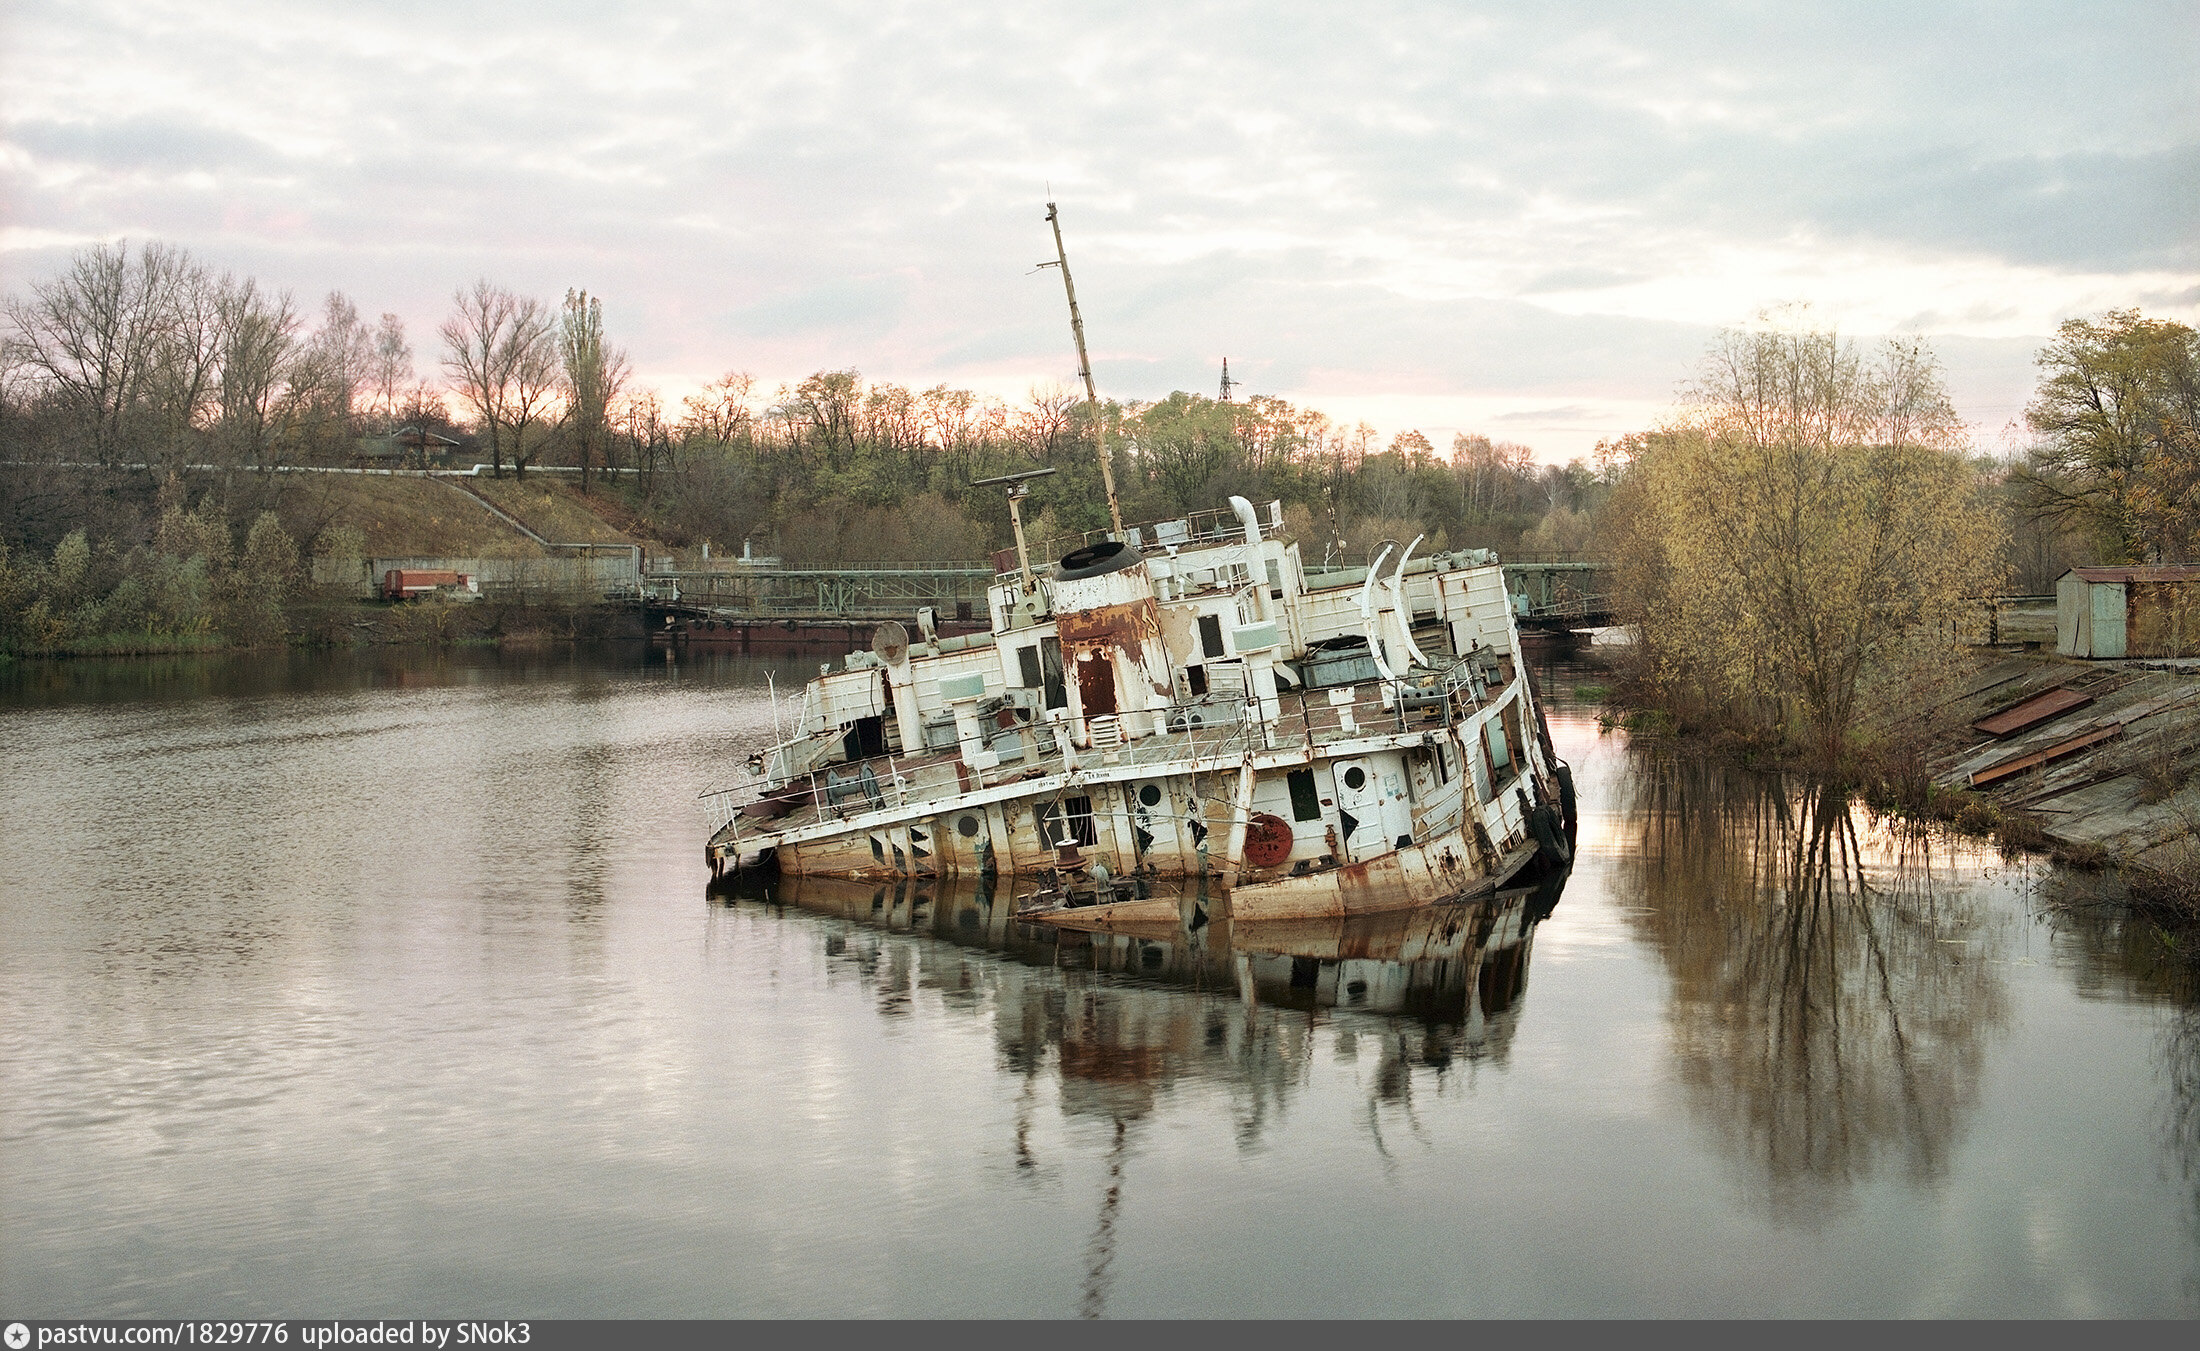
2033,711
2061,749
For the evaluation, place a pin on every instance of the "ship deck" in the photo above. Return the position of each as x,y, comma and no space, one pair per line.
1225,734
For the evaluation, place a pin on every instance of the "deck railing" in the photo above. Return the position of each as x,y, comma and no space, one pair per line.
1201,734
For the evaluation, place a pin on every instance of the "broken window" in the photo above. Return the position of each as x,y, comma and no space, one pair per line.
1210,635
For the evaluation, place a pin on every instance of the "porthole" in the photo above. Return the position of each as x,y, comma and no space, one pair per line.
1150,795
1355,778
967,827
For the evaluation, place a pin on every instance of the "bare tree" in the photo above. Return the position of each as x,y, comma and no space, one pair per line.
1042,427
185,387
97,337
423,410
343,351
498,352
594,374
640,420
259,354
390,367
537,389
723,412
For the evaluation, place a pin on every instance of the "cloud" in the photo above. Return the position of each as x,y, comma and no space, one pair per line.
167,144
1405,201
1572,412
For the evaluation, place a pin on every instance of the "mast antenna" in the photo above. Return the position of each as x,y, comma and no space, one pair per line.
1084,369
1227,383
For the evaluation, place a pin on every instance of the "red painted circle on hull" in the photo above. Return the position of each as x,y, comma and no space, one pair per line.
1267,840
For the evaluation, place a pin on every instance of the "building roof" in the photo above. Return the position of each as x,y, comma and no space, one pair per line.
2158,572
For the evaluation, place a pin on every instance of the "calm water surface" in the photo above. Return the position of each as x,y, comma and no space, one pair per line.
390,986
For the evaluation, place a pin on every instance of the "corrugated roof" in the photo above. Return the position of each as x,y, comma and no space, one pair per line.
2159,572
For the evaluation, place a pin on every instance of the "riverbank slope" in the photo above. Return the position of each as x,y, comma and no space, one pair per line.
2103,756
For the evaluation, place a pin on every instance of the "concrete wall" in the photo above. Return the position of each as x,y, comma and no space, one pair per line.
567,576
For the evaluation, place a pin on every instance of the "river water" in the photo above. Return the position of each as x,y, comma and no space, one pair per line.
389,985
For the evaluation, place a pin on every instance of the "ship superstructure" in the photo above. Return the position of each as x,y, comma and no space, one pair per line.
1189,700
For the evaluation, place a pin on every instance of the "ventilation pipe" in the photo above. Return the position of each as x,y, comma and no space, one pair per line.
1367,616
1404,611
1245,513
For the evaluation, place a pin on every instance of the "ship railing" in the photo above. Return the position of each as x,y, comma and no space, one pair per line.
1376,707
839,790
1197,529
1215,729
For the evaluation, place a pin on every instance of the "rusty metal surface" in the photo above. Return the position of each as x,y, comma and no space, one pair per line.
2033,711
2156,572
1268,840
1129,626
2047,755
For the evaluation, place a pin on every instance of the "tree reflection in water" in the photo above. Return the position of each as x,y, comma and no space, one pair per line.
1123,1019
2181,1055
1833,987
2117,954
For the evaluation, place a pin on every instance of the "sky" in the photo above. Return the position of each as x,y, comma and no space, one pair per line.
1524,220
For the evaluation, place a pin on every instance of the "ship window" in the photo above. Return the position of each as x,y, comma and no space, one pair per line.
1275,579
1150,794
1078,811
1069,822
1355,778
1210,635
1028,659
1500,746
1306,804
1050,668
1195,680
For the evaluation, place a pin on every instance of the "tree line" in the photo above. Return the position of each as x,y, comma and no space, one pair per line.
145,362
150,367
1794,545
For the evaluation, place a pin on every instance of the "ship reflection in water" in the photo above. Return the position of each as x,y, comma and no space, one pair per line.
1459,971
1124,1016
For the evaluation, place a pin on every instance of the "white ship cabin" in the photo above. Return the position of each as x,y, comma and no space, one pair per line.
1180,629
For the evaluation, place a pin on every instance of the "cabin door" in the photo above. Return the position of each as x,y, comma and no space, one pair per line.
1096,683
1372,812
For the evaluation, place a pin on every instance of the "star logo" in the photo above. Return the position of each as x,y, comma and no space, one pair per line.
18,1337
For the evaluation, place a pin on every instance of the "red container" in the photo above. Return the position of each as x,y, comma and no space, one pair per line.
398,583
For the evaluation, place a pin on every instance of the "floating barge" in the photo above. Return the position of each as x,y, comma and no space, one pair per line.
1181,700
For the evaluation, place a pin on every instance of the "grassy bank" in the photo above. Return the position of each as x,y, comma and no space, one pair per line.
348,623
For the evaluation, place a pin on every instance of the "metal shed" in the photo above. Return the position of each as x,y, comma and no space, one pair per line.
2129,611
